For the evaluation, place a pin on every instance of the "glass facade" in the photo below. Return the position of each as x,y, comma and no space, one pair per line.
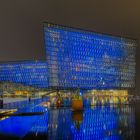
30,73
78,58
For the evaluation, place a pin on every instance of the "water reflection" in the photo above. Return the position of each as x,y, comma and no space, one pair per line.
18,126
77,117
105,123
108,122
113,122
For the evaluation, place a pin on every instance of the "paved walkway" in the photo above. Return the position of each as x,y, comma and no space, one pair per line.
11,100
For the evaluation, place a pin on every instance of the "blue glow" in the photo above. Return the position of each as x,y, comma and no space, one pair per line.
96,123
17,126
21,125
78,58
30,73
100,123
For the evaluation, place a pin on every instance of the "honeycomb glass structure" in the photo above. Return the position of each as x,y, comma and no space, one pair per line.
29,73
84,59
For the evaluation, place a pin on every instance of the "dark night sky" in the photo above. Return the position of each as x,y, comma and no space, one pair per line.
21,30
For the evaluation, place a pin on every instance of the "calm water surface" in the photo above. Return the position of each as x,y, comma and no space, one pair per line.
118,122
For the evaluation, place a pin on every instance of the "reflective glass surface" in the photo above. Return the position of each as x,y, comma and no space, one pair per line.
30,73
78,58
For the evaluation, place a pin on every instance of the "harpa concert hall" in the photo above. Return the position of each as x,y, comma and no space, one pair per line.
84,89
77,58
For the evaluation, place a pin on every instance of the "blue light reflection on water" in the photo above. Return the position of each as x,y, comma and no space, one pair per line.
19,126
106,123
96,123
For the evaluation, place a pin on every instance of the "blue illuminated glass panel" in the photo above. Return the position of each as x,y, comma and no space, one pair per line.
30,73
78,58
